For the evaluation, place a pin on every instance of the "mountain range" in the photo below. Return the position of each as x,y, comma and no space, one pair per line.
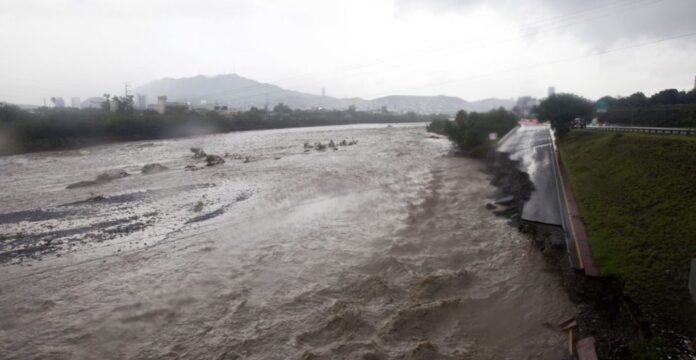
239,92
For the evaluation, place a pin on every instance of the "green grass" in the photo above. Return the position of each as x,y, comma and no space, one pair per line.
637,198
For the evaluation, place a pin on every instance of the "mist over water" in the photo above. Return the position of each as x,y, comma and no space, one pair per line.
378,250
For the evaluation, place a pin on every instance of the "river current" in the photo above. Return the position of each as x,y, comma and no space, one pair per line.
379,250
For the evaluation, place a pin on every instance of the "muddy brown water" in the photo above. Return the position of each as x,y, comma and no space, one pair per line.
378,250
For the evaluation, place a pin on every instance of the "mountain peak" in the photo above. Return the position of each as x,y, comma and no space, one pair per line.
239,92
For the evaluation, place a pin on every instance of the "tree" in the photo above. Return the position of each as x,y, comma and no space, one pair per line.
562,109
666,97
471,131
106,104
282,109
638,99
690,97
124,104
609,101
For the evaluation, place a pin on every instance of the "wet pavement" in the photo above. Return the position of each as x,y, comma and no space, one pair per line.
531,145
379,250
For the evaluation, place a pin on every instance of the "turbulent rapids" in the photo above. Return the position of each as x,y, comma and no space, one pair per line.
379,250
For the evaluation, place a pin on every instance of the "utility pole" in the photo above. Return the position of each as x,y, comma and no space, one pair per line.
266,108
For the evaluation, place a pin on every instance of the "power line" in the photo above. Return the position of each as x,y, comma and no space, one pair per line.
432,51
581,16
553,62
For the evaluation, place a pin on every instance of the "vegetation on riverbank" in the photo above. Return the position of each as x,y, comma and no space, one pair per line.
470,131
65,128
637,198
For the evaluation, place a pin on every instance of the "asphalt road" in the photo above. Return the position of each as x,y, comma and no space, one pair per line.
531,145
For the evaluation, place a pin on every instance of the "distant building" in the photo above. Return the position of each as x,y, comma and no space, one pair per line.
524,106
75,102
141,102
552,90
93,103
113,105
694,82
58,102
161,104
177,106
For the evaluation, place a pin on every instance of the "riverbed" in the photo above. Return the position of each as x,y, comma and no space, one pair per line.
381,249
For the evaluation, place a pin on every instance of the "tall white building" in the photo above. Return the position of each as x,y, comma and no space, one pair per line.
552,90
75,102
141,102
59,102
161,104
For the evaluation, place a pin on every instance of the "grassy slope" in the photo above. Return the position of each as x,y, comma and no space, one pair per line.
637,197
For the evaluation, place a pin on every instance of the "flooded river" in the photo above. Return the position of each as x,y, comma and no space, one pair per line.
378,250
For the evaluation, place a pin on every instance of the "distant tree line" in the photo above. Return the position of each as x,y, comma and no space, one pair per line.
667,108
664,97
65,128
470,131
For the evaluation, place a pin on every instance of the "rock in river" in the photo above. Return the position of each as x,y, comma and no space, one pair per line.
212,160
153,168
198,153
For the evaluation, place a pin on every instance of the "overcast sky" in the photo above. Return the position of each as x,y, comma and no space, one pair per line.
474,49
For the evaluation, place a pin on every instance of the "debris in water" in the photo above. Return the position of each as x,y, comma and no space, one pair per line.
153,168
212,160
207,216
101,179
198,153
506,200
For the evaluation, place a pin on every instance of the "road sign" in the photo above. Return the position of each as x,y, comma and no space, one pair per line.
601,106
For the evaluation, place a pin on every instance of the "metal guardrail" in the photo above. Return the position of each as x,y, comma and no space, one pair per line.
646,130
573,255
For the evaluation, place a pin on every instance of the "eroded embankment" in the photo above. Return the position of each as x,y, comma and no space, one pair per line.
602,310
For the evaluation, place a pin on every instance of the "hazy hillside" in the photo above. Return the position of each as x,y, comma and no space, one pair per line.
239,92
232,90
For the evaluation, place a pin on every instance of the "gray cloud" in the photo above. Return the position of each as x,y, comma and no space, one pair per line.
599,22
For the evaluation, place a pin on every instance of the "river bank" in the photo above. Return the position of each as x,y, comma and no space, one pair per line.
598,300
624,324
